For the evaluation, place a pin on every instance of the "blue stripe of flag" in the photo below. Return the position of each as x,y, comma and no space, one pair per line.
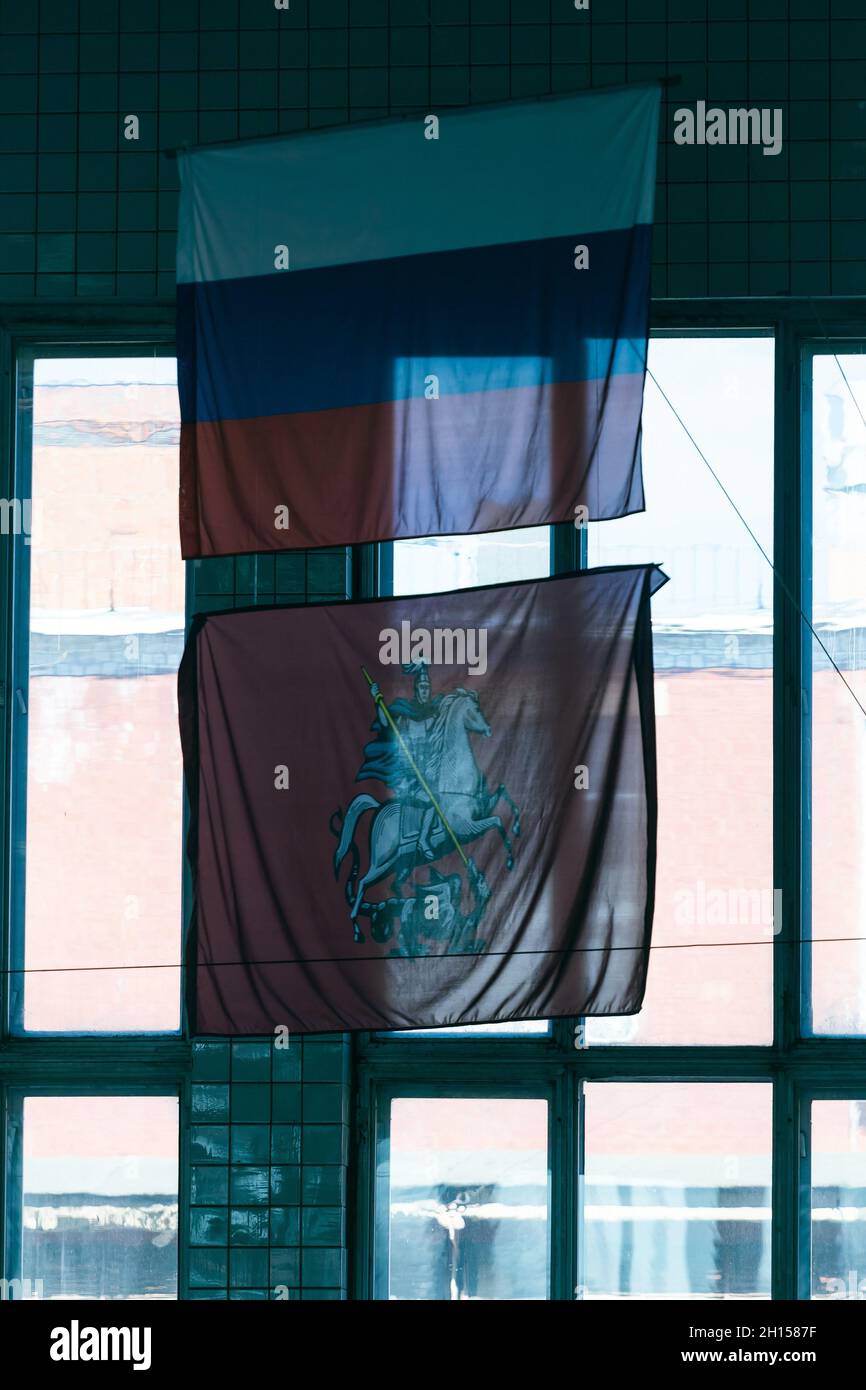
483,319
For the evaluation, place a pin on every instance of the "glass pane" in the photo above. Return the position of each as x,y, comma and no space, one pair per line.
100,1196
677,1191
713,645
535,1027
839,1199
103,846
468,1199
463,562
838,887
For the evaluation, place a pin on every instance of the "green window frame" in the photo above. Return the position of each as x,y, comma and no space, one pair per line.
796,1064
34,1064
799,1066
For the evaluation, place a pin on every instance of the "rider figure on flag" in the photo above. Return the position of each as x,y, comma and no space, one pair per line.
386,760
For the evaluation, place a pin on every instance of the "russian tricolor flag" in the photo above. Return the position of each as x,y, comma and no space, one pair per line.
419,326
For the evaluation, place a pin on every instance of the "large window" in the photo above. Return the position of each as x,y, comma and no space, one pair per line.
467,1200
838,1198
711,1146
677,1191
712,974
91,1058
835,669
98,815
673,1140
99,1180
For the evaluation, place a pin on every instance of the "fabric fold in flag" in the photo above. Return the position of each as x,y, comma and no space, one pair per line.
425,811
399,329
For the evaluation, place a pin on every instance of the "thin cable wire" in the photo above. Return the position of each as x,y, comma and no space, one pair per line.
826,336
783,586
450,955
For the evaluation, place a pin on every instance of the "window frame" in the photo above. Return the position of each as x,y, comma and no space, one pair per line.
808,1093
728,1079
837,345
33,1063
518,1087
19,683
15,1097
795,1063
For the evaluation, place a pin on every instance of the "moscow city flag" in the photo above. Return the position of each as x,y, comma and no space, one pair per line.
424,811
421,326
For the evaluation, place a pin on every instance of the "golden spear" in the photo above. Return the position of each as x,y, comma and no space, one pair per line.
415,768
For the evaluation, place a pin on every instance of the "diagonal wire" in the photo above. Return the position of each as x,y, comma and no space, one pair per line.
245,962
826,337
783,586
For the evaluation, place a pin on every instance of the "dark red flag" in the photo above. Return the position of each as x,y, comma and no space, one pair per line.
423,811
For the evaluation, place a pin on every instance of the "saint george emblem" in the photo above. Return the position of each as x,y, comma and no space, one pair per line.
440,802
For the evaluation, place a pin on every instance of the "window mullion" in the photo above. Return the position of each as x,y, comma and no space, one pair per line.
787,690
786,1189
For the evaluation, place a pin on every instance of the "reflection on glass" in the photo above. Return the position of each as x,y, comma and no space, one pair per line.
838,726
839,1199
468,1208
676,1197
100,1196
103,861
713,650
